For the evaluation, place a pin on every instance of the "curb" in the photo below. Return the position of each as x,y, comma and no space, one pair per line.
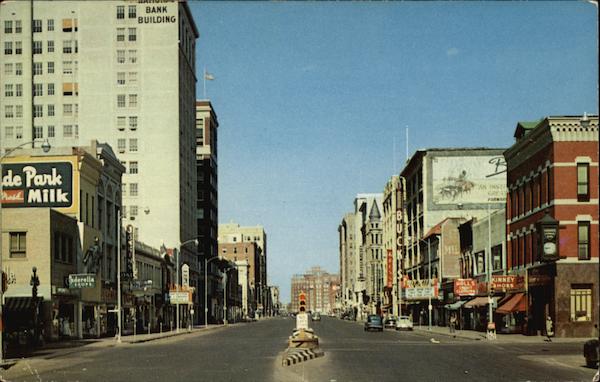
296,355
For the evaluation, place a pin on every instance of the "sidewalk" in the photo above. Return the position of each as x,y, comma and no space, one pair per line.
500,338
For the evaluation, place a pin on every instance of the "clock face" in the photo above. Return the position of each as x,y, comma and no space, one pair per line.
549,248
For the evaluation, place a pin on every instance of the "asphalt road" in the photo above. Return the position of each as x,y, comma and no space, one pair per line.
252,352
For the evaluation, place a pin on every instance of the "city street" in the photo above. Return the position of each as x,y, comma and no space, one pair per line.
252,352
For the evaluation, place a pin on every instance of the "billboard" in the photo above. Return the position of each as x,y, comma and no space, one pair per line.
37,184
468,180
465,287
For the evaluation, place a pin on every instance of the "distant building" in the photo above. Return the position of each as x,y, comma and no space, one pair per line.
552,223
320,289
247,255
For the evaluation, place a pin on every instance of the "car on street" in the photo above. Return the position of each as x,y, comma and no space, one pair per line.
404,323
390,322
316,316
374,322
591,348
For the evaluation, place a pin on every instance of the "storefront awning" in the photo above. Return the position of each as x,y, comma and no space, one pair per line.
517,303
477,302
456,305
18,304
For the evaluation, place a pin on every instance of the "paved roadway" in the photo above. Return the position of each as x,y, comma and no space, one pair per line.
252,352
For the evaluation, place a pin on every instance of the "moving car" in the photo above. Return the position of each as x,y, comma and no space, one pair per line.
374,322
404,323
390,322
316,316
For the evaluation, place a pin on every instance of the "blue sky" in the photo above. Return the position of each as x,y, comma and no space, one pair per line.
312,98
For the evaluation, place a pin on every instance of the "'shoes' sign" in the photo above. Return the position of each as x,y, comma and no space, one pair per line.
37,184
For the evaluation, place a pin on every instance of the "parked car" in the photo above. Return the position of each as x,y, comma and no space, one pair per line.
374,322
390,322
404,323
316,316
591,348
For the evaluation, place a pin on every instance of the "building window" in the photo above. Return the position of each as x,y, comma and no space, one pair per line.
38,90
121,78
8,132
132,12
8,69
68,131
133,189
581,302
121,123
50,89
68,46
133,145
121,100
37,68
132,78
133,211
120,12
38,111
50,110
121,145
132,34
50,67
133,167
133,122
50,25
19,111
8,90
19,90
18,132
50,131
7,47
8,26
67,67
18,69
38,132
50,46
18,47
37,26
18,26
9,111
67,109
120,56
132,56
133,100
37,47
583,240
583,188
120,34
18,244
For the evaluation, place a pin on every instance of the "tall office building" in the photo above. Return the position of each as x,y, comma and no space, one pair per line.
121,72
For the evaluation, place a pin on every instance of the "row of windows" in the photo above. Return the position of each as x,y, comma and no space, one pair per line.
68,67
126,56
122,122
16,90
131,34
18,27
132,12
16,132
122,145
127,78
133,189
68,25
16,111
69,46
133,167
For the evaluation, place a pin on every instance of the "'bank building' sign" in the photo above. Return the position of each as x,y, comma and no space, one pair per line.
37,184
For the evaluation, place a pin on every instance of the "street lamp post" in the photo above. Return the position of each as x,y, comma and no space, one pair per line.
206,262
46,147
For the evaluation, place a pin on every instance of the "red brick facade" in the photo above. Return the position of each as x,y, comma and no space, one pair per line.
542,179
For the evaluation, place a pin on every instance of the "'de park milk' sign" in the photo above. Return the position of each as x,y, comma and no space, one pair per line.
37,184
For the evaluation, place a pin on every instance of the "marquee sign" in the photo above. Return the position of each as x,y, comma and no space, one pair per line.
48,184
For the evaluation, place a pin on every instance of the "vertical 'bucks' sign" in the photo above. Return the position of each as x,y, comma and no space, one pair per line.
47,184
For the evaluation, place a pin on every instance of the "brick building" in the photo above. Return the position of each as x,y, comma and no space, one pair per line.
552,173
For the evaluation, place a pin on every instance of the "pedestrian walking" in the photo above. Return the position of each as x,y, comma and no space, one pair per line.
453,323
549,328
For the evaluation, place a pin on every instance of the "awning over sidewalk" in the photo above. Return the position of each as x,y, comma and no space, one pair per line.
18,304
478,301
456,305
517,303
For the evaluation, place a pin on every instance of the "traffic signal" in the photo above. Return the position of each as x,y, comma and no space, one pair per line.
302,301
